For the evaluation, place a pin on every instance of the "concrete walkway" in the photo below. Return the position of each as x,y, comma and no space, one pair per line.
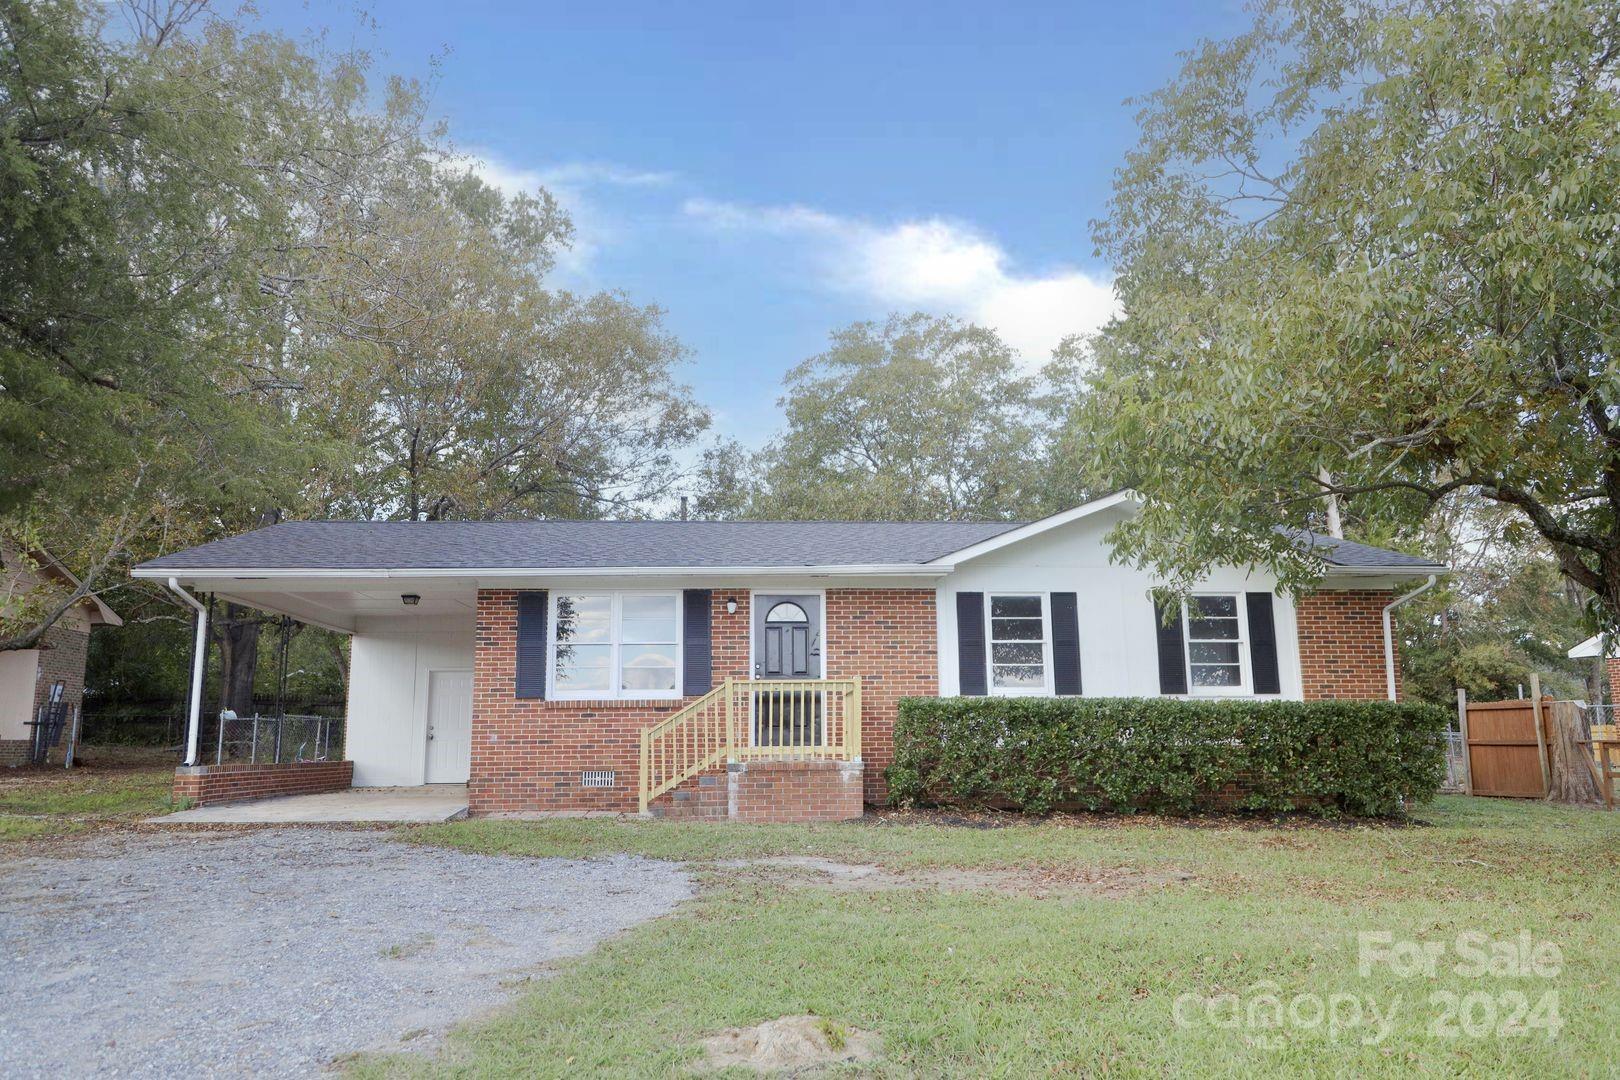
433,802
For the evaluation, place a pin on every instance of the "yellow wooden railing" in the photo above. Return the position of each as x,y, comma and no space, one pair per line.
752,720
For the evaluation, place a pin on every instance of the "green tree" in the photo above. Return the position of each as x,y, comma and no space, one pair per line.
156,182
1504,612
1369,249
919,417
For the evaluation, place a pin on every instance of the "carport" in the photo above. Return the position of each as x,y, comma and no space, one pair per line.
408,719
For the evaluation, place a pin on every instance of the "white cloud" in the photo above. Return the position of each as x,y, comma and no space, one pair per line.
571,183
934,264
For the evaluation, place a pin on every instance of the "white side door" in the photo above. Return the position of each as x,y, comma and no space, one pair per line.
449,733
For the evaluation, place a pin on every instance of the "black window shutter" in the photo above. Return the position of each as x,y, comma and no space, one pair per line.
1263,644
1172,653
531,644
970,644
1065,643
697,655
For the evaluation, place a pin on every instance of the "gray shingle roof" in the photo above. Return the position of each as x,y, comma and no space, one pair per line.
566,545
422,545
1348,553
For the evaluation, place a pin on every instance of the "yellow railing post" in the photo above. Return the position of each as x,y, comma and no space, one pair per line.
852,721
731,726
644,777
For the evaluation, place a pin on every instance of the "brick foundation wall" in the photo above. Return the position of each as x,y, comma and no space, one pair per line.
786,791
1341,645
1612,669
890,639
528,754
768,792
14,752
203,784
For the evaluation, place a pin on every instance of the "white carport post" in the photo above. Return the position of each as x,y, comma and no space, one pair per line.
199,653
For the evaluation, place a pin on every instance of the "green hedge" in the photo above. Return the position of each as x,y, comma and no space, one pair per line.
1367,758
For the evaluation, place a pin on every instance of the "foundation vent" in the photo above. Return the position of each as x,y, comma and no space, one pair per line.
598,778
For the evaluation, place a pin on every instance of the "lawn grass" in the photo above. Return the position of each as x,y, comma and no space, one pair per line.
985,983
53,801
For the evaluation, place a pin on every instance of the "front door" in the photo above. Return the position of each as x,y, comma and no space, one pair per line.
449,733
787,637
787,645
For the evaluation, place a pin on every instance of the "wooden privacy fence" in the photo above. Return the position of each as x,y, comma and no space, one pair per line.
1512,748
1506,747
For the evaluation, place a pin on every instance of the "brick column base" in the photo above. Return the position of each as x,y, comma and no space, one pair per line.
203,784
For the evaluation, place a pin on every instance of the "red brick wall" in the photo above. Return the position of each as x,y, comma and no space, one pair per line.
889,638
528,754
1612,666
762,791
705,797
1341,644
768,791
62,653
203,784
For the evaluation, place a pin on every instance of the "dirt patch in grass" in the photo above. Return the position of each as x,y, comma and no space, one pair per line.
791,1044
1104,881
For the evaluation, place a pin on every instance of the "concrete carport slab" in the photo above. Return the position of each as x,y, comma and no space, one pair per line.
431,802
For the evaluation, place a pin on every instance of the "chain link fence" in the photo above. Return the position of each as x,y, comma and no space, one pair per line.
274,740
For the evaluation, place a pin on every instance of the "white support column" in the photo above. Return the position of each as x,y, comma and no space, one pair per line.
199,653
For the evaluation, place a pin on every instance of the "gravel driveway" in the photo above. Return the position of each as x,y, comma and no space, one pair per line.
270,953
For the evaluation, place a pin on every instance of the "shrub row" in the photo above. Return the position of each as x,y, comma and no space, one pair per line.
1365,758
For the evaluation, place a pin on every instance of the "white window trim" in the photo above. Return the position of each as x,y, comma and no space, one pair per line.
1245,687
615,636
991,688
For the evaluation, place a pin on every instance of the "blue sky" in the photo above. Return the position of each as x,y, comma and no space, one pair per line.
767,173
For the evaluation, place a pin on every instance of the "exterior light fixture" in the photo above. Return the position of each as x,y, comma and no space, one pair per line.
410,599
731,606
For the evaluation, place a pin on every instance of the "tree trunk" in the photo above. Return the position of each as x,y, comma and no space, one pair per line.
1569,757
238,658
342,655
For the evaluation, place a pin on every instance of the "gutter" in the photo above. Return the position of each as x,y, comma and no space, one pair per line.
1389,633
199,653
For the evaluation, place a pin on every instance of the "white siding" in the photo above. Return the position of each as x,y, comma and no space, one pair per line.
19,676
1118,647
388,700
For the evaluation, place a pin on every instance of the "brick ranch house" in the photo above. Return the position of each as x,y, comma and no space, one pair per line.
51,673
750,669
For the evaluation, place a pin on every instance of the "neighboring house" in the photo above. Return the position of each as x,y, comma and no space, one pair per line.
1594,647
584,665
52,672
